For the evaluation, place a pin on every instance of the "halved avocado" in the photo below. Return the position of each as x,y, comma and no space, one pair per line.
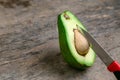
67,22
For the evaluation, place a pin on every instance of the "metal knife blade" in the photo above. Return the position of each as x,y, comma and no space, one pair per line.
98,49
112,66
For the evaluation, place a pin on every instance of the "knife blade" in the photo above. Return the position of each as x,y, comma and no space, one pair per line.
112,65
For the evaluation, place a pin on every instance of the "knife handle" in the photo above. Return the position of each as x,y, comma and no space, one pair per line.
117,74
115,68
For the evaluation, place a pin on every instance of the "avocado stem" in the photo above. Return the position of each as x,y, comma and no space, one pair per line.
66,16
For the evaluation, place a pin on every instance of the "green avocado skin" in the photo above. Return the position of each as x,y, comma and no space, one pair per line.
70,55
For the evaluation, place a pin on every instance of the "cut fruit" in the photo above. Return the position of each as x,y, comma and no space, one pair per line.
73,45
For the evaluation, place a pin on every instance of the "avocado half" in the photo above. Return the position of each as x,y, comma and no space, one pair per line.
66,23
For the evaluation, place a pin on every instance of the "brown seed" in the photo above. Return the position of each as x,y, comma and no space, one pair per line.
81,43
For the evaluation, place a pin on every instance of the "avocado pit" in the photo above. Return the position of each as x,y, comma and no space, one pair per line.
80,42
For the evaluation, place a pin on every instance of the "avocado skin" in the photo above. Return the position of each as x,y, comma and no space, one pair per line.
64,47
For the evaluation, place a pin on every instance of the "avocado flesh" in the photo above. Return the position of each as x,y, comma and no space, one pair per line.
66,41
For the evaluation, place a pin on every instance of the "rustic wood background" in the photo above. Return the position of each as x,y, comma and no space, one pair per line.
29,48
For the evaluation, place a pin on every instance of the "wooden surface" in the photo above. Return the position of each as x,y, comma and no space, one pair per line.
29,48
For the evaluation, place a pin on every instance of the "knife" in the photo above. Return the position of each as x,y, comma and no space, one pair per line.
112,65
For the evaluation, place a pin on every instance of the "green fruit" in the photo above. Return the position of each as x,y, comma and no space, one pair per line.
74,47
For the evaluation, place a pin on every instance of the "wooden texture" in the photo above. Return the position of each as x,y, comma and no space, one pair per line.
29,48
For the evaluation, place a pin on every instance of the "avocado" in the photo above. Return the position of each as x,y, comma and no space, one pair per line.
69,30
